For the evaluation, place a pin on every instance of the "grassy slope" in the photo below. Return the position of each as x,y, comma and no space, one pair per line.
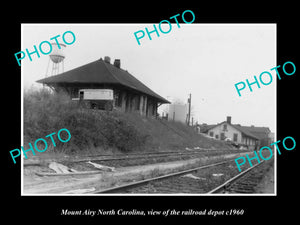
45,113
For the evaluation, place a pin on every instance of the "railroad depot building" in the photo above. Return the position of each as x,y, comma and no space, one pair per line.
129,94
249,136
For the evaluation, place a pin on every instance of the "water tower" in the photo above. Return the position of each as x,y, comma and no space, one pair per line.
56,59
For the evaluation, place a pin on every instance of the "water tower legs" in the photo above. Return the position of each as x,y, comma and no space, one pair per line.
55,68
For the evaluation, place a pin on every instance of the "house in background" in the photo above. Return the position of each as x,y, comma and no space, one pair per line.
252,137
129,94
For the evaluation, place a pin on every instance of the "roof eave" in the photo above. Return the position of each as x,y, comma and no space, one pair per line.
161,100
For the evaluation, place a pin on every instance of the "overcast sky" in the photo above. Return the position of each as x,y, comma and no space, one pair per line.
205,60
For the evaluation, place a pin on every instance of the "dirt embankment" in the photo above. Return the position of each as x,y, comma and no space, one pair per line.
96,131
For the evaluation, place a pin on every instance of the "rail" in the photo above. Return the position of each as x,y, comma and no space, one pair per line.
122,157
232,180
143,182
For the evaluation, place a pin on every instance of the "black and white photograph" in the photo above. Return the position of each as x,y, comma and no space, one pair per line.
178,114
131,114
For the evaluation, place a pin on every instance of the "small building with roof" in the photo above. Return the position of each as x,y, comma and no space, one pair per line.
250,136
129,94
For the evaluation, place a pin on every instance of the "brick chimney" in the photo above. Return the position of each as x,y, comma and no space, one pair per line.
228,119
117,63
107,59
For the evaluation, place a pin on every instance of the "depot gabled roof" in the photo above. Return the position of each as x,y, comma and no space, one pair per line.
101,72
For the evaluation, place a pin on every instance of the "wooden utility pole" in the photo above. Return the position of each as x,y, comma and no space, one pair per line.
189,111
174,114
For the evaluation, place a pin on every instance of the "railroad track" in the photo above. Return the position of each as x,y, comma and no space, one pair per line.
137,156
116,157
200,180
245,182
131,187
